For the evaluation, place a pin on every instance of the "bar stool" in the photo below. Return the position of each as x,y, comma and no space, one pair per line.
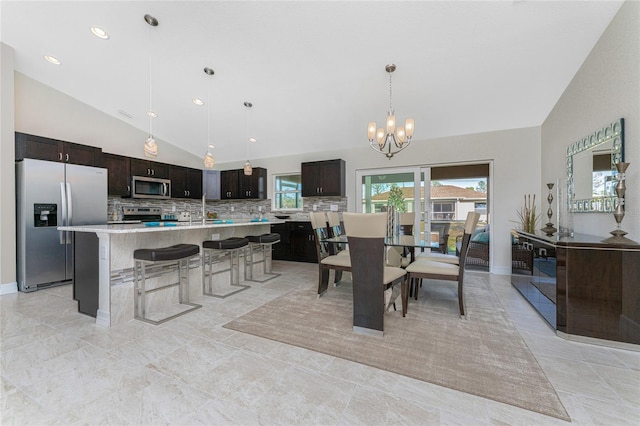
261,243
217,251
179,254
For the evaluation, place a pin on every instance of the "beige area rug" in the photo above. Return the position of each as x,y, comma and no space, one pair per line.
483,355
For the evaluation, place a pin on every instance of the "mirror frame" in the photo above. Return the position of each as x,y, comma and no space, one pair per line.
613,131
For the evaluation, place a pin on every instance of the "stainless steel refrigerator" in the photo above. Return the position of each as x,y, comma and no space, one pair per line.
49,195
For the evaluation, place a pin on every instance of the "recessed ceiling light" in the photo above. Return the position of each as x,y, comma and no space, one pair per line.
252,139
152,114
100,33
197,101
52,59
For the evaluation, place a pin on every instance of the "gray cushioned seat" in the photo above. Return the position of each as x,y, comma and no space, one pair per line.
179,251
264,238
226,244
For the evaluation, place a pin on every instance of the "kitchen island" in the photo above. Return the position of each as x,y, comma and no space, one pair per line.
115,264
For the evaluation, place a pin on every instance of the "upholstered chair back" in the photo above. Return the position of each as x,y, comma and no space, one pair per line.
365,225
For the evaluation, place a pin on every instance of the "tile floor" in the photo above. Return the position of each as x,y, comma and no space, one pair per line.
58,367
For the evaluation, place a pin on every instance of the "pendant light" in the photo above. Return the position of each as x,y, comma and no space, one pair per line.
209,161
248,169
150,145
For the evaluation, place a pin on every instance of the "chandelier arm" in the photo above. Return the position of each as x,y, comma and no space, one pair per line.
374,146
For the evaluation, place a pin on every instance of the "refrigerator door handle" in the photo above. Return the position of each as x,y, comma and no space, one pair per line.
63,206
70,210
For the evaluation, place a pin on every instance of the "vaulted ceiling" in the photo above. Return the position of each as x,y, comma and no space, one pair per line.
314,70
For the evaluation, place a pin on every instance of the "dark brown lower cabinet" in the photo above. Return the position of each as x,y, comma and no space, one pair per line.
592,288
297,242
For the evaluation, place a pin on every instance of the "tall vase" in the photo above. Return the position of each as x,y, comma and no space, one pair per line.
391,221
565,216
549,229
618,212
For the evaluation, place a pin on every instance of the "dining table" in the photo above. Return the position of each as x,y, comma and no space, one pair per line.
409,242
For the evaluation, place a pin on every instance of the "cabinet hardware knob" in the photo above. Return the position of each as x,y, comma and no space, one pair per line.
67,157
60,154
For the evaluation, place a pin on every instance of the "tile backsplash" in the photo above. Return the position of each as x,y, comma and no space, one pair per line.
227,209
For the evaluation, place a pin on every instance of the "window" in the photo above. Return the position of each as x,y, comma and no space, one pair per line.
288,192
443,211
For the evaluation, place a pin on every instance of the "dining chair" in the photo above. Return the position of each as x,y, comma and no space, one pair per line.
439,256
335,229
405,222
443,235
428,269
326,260
401,259
373,281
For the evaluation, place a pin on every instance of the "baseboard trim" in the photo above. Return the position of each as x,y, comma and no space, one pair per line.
501,270
9,288
600,342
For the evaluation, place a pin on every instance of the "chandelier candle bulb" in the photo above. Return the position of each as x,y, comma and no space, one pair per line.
372,131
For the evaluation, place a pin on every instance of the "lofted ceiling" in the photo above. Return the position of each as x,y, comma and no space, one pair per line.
314,70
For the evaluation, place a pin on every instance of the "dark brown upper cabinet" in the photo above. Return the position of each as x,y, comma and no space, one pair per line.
229,184
185,182
119,180
234,184
41,148
141,167
323,178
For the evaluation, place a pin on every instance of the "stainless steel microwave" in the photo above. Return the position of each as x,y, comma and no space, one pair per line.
148,187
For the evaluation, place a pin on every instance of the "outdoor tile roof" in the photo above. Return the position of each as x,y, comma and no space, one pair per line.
438,192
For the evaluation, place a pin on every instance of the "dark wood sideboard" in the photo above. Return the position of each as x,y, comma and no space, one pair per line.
597,285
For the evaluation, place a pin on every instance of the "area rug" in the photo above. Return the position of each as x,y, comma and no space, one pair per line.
482,355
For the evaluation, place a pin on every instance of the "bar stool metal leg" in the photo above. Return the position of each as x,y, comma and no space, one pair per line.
262,244
220,251
178,255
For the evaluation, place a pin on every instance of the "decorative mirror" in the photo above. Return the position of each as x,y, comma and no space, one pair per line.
591,170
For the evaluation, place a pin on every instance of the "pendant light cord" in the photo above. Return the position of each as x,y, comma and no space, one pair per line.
150,87
390,94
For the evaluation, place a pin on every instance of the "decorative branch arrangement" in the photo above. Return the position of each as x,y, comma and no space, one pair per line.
527,214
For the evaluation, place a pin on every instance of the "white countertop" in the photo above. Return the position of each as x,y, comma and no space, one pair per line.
140,227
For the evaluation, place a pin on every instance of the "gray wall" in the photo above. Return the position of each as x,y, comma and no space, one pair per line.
7,174
606,88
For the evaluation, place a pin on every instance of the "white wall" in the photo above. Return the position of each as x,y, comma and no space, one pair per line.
515,153
516,171
606,88
43,111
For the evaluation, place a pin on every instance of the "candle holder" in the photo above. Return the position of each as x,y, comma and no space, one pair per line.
549,229
618,212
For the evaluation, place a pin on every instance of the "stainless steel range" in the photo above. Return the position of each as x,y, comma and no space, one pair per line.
141,214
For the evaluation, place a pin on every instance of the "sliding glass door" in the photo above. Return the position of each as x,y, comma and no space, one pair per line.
402,188
453,191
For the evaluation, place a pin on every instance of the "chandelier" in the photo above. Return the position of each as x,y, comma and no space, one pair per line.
150,145
393,139
209,161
